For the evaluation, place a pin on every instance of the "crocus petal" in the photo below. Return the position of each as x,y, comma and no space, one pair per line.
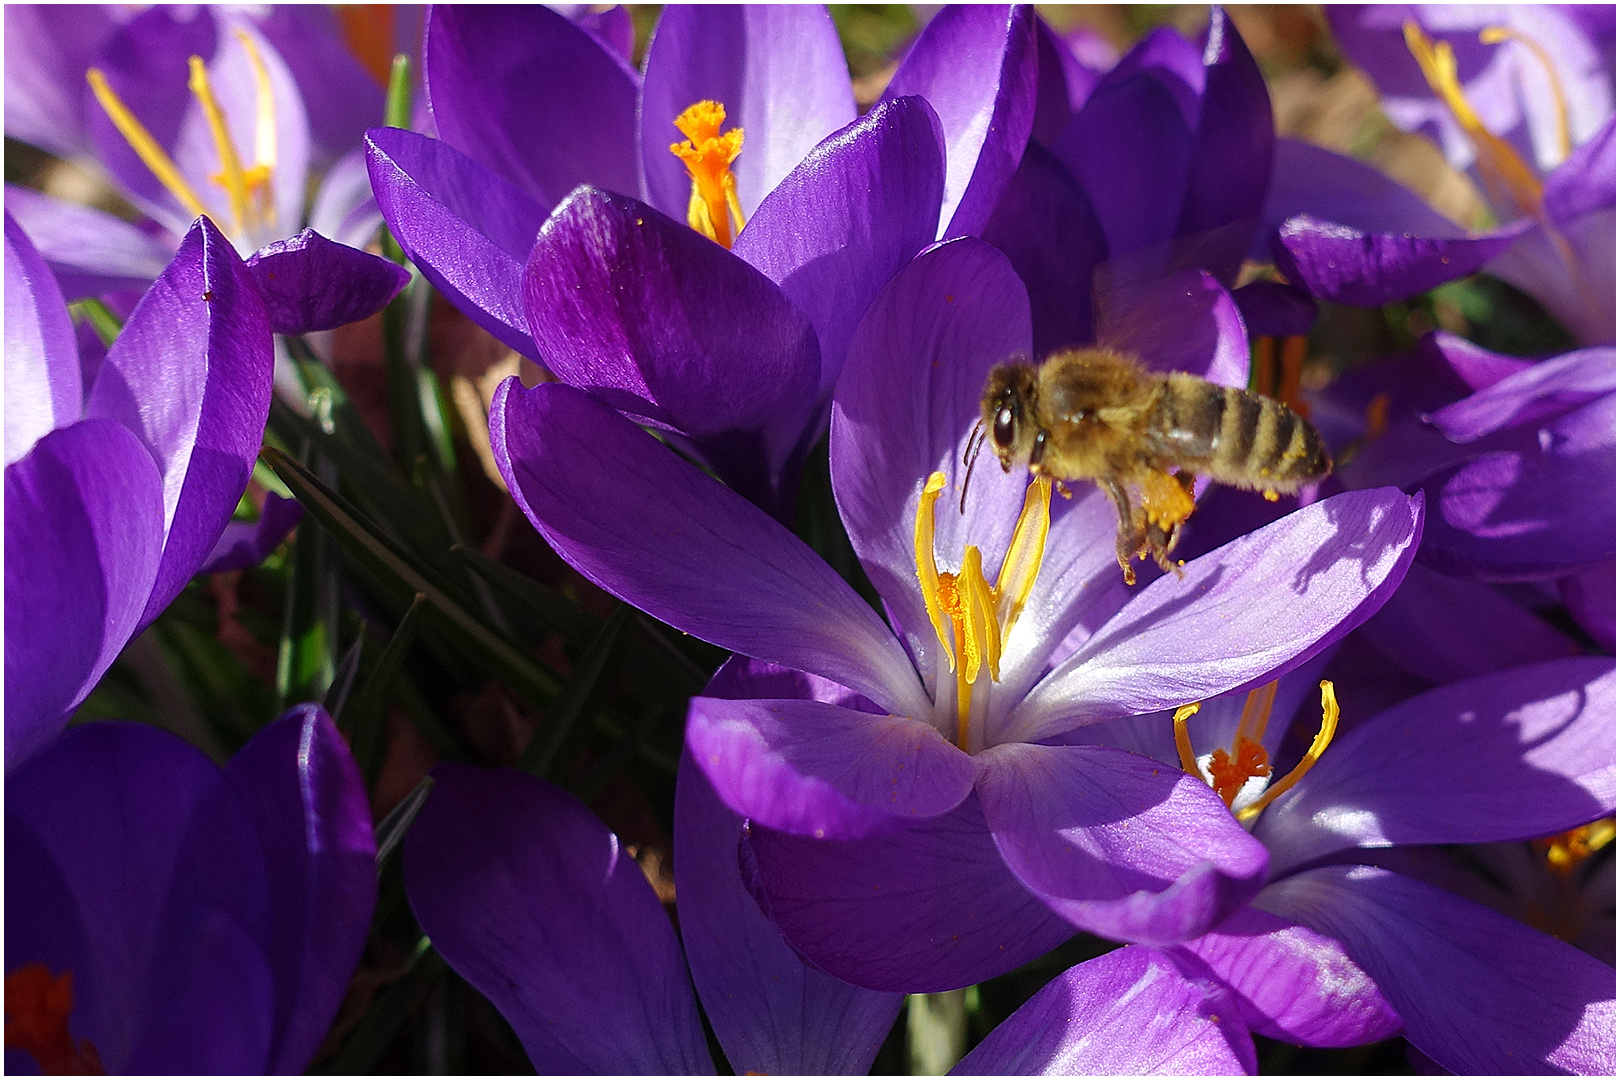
977,67
774,1014
1182,322
1116,843
919,908
309,801
1570,273
344,209
341,97
530,898
815,769
91,252
1533,393
1589,596
1478,992
657,532
190,375
167,889
672,329
1584,183
1515,755
1314,181
1292,983
469,231
854,211
84,534
43,391
245,544
1477,367
1271,309
777,68
531,97
309,283
1245,613
47,52
1062,83
1129,1013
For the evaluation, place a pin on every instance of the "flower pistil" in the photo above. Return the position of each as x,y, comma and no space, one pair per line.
707,155
1240,775
38,1005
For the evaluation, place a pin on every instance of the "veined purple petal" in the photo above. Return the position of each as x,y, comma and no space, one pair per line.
309,801
923,907
657,532
774,1014
1245,613
84,535
245,544
309,283
848,217
90,252
1516,755
532,97
1116,843
1533,393
673,330
469,231
190,375
47,52
821,770
1585,182
1131,1012
43,389
1292,983
530,898
977,66
777,68
1478,992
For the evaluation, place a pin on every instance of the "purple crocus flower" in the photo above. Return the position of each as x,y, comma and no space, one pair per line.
231,140
922,778
164,915
119,482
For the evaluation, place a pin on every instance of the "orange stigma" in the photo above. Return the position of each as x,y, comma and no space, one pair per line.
38,1005
1232,772
707,155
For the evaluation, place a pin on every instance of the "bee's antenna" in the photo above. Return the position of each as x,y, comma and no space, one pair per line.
970,456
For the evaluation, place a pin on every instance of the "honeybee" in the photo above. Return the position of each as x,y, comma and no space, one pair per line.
1097,414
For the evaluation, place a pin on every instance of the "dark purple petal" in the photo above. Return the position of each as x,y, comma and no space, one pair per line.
1271,309
1183,322
774,1014
613,26
47,51
309,801
854,211
925,907
469,231
1531,394
977,67
1478,368
91,252
814,769
1585,182
340,96
777,68
1589,596
1478,992
657,532
1243,614
1512,756
1116,843
190,375
43,390
1131,1012
1062,83
673,330
84,535
245,544
530,898
1292,983
167,917
531,97
1314,181
309,283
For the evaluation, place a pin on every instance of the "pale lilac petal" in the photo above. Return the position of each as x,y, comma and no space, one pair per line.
530,898
1524,753
42,385
1571,274
1292,983
48,48
466,229
245,544
341,97
777,68
190,375
1129,1013
657,532
977,67
1533,393
344,209
91,252
310,283
815,769
1585,181
1116,843
1478,992
1245,613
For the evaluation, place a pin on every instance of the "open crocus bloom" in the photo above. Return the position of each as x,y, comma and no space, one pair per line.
164,915
921,770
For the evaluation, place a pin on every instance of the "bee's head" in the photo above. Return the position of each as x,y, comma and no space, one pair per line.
1008,408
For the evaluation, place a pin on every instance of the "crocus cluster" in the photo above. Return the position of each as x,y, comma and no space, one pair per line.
1341,773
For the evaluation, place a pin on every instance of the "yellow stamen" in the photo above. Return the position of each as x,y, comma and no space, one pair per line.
1496,35
264,131
1567,851
1319,745
230,176
1189,760
922,539
1023,559
153,156
1500,165
708,155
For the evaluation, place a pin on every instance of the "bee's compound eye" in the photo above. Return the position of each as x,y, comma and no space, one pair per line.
1002,430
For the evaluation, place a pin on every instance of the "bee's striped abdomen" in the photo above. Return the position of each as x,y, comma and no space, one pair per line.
1236,437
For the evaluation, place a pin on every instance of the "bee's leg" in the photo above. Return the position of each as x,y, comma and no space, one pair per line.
1173,537
1132,536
